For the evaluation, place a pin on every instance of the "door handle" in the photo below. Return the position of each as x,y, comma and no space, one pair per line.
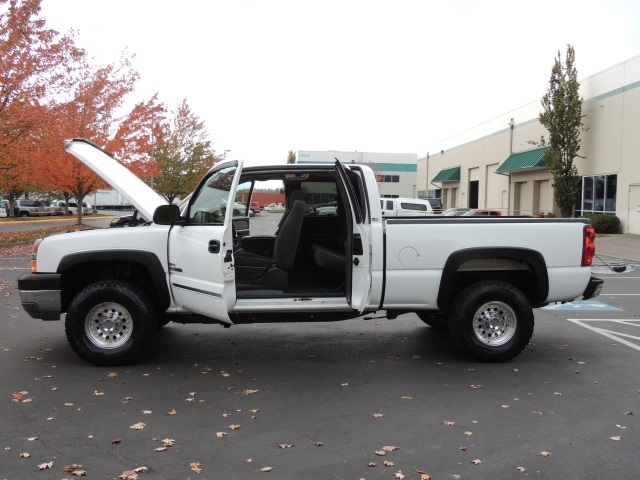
356,262
214,246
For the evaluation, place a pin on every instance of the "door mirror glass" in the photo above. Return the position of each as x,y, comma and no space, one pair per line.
166,214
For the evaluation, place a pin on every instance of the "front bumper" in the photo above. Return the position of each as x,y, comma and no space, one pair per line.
40,295
594,287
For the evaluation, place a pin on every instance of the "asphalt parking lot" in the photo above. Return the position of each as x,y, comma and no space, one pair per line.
366,398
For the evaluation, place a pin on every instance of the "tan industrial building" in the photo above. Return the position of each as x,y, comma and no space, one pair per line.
494,165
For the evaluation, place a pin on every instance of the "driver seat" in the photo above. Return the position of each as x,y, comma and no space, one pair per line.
269,270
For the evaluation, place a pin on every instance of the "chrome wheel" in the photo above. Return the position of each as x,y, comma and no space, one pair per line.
108,325
494,323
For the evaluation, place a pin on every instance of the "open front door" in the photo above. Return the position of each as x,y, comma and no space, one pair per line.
359,245
201,272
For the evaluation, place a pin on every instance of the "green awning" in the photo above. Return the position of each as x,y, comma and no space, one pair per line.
522,160
451,174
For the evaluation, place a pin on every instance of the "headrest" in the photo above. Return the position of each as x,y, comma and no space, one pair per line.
293,196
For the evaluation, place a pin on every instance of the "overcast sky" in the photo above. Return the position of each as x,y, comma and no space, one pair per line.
269,76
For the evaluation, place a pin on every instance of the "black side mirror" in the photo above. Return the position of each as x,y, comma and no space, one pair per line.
166,214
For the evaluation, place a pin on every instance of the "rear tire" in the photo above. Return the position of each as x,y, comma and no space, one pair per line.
492,321
110,323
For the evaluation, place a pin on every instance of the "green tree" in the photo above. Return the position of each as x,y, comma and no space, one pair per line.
183,154
562,117
291,157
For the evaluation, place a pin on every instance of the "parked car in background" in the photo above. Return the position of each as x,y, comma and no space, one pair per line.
86,208
483,212
28,208
4,206
405,207
273,206
436,204
3,213
455,211
255,208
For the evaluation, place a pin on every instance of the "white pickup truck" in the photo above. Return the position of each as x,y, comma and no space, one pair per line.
480,278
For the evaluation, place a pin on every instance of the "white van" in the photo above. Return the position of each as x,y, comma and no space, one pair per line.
405,207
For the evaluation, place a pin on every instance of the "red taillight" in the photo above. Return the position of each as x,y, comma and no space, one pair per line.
588,246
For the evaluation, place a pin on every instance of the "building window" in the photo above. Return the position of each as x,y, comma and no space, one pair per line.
388,178
599,194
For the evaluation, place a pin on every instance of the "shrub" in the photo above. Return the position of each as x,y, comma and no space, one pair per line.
602,223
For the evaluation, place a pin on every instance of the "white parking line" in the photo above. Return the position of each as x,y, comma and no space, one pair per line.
609,333
14,268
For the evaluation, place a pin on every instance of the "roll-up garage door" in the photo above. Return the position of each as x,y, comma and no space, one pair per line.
546,197
526,198
492,187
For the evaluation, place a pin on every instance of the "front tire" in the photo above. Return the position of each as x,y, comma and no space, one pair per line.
492,321
110,323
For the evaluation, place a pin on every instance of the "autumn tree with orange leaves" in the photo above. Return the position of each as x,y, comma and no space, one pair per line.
35,64
92,112
49,92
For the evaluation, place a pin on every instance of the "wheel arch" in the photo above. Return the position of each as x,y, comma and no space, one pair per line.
141,268
451,284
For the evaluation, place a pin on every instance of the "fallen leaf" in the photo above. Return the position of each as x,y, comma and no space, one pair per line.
521,469
45,466
25,455
32,439
477,461
96,393
468,433
344,384
285,445
234,427
160,449
464,449
248,460
72,468
224,374
318,444
629,413
221,434
68,404
621,427
115,441
390,448
545,454
425,476
382,453
249,392
536,412
387,463
266,469
476,387
254,410
506,406
147,412
169,442
371,464
448,423
138,426
112,374
557,394
172,412
406,397
398,475
617,438
195,466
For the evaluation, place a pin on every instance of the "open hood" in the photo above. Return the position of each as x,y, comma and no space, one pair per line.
138,193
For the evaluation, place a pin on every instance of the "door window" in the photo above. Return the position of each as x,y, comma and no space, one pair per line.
211,202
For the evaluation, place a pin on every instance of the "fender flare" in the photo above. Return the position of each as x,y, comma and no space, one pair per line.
532,257
147,260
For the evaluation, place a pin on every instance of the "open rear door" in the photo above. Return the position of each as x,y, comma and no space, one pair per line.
201,272
359,244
